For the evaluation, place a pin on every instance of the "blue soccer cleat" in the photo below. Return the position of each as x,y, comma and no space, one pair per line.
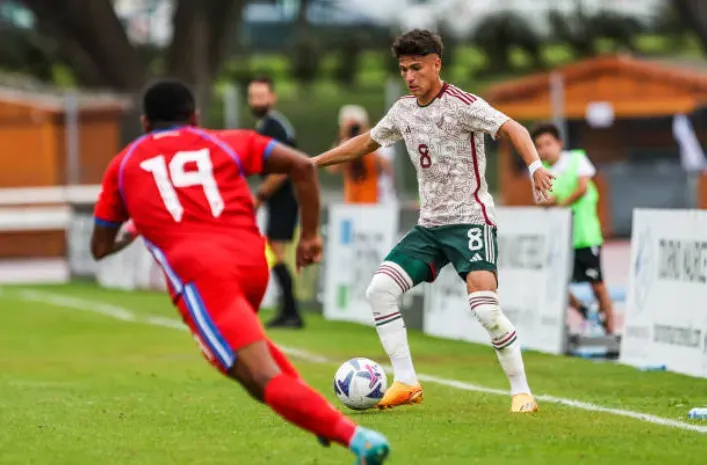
370,447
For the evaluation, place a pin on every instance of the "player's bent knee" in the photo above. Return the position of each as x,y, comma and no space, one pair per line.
383,290
485,307
389,283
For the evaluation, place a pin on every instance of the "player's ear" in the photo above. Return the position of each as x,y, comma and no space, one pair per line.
194,118
145,123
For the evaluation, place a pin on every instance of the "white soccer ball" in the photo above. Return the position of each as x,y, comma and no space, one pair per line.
360,383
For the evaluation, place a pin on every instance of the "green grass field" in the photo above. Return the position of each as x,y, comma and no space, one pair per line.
93,376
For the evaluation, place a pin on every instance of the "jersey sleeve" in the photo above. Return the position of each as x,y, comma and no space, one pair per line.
252,149
110,209
479,116
586,168
386,132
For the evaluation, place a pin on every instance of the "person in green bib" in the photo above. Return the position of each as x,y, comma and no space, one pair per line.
573,188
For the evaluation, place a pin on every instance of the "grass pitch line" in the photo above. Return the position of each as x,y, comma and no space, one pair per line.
123,314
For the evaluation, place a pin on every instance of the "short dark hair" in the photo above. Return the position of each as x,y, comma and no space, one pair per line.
168,101
418,42
264,79
545,128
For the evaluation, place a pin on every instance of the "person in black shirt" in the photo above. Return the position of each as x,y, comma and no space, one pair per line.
276,191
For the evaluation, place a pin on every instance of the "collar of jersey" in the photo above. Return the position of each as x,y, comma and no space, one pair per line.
439,94
171,128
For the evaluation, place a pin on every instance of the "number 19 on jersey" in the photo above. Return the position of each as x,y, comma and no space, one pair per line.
176,176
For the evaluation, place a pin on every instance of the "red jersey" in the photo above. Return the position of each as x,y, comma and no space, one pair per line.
185,189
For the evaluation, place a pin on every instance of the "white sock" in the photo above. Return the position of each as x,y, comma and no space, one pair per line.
484,306
389,283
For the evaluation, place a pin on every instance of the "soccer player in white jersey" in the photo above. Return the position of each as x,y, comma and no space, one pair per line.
443,128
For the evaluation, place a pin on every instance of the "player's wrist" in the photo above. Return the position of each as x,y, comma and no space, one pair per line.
308,235
534,166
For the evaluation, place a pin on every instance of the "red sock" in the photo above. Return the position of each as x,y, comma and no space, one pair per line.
282,361
301,405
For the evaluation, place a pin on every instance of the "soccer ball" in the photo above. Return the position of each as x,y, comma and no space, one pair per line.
360,383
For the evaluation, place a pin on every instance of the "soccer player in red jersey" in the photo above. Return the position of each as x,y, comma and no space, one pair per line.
184,189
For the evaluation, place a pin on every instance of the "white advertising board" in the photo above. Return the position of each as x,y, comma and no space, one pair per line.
135,268
534,257
358,238
666,315
131,269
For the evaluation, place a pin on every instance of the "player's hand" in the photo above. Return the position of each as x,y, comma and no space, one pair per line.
542,184
309,250
257,203
551,202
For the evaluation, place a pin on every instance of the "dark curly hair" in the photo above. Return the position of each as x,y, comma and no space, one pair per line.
168,101
418,42
545,128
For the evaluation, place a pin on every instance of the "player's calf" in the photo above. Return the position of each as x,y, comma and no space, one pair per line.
387,286
606,306
485,307
254,369
298,403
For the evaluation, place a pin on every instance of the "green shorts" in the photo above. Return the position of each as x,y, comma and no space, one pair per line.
423,252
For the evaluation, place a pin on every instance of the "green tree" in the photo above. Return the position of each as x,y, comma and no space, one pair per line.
91,39
348,61
573,30
694,16
499,34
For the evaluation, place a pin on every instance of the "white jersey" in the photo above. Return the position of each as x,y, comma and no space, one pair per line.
445,141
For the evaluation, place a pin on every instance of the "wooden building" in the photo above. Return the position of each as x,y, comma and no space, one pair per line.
643,95
34,202
33,137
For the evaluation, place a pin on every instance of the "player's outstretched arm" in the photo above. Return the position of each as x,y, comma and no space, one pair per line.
301,169
523,143
354,148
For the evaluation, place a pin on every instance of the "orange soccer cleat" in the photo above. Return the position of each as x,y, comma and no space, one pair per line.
401,394
524,403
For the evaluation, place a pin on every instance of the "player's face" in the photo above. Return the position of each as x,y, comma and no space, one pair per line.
549,147
421,73
260,98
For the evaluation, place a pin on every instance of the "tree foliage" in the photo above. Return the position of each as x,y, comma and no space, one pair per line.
694,14
89,36
500,33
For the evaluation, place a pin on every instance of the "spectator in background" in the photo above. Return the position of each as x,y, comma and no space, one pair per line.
277,192
573,188
361,176
386,179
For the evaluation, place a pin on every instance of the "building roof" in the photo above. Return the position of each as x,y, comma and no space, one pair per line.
26,91
635,88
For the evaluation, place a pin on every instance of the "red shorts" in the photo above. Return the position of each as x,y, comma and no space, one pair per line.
221,312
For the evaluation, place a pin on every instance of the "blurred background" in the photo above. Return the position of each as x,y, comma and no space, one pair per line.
91,369
625,79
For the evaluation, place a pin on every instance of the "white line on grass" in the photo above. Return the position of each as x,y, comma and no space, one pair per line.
124,314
